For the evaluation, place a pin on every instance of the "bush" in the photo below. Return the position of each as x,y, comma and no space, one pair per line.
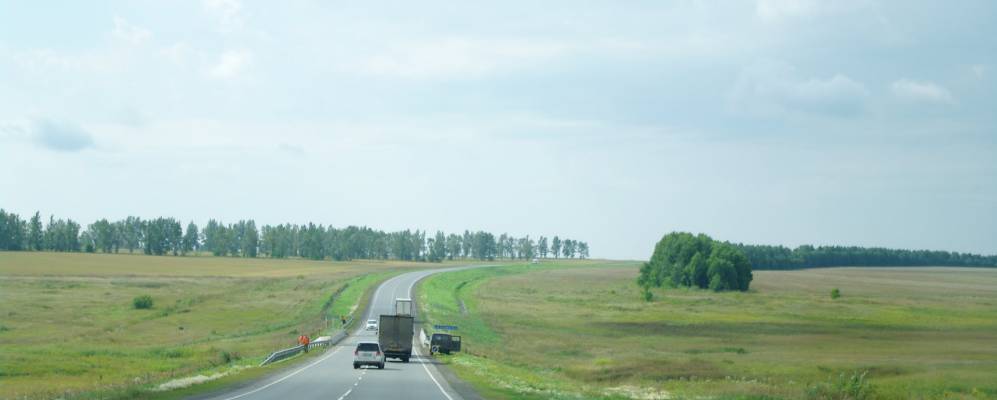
854,387
683,259
648,296
227,357
143,302
835,293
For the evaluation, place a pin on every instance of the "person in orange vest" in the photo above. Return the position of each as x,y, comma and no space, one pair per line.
303,340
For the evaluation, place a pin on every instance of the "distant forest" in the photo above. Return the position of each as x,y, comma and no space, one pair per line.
782,258
161,236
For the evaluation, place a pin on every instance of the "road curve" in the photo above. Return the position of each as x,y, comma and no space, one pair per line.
332,376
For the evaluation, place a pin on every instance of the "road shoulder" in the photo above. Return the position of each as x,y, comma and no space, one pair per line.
462,388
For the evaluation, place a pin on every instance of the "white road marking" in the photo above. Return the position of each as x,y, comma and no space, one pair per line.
411,285
434,379
438,385
285,377
345,394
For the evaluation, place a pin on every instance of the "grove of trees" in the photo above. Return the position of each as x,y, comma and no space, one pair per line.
807,256
684,259
161,236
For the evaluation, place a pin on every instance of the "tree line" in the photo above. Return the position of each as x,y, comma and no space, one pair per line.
162,236
807,256
684,259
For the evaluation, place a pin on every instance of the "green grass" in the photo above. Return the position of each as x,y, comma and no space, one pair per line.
70,328
583,331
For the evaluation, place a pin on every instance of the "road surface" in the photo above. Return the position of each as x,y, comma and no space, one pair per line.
331,376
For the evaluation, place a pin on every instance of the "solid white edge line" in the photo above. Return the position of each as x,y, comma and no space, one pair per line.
285,377
438,385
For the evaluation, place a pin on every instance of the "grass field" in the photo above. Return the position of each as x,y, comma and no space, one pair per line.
68,327
581,331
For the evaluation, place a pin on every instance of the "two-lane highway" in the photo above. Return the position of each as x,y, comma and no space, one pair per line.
332,376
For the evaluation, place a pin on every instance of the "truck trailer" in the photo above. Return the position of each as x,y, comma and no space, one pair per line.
395,332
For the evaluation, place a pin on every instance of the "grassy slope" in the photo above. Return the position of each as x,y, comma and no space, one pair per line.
583,332
67,326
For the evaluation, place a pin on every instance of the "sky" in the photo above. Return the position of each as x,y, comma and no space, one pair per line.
786,122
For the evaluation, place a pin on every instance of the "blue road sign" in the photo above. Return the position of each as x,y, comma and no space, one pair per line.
445,327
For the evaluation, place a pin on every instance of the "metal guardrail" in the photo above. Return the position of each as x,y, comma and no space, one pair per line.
320,341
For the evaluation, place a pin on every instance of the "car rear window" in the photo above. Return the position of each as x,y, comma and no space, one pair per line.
367,347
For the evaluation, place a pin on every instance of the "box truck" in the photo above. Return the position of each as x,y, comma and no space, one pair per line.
395,332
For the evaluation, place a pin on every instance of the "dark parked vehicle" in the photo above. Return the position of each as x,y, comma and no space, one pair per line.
444,343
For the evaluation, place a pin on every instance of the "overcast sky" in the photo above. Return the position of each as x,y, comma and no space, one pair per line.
781,122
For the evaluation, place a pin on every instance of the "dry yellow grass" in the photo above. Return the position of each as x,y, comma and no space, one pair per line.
68,327
49,264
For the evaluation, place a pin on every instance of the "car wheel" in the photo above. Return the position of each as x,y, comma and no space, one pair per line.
380,366
405,359
355,365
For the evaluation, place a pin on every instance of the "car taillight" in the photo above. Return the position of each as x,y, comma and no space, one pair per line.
378,353
356,352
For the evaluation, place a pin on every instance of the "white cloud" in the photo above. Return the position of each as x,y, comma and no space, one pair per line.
779,9
229,13
291,149
37,59
130,33
928,92
178,53
774,11
838,86
979,70
458,57
231,64
10,130
767,88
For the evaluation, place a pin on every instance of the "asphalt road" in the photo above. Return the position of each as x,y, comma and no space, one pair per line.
332,376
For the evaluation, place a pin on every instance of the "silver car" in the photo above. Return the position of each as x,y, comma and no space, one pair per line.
368,353
371,325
